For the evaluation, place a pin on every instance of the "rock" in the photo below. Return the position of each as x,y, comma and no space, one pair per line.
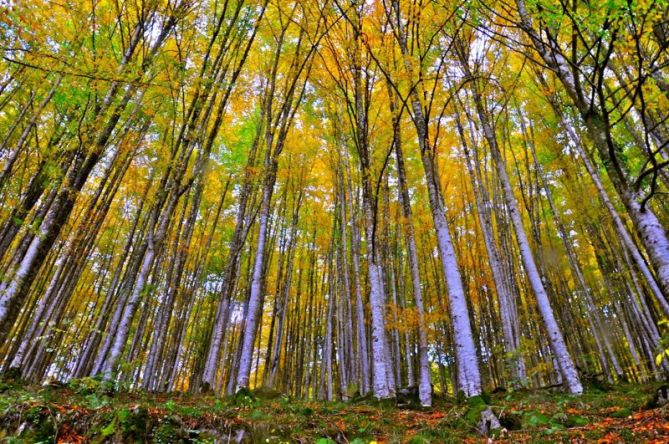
594,381
239,435
660,398
205,388
510,421
12,374
408,397
359,399
488,422
52,382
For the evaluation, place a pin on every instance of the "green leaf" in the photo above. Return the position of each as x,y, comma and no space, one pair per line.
109,429
95,402
170,405
579,421
534,419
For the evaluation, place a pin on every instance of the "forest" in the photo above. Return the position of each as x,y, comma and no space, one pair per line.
242,212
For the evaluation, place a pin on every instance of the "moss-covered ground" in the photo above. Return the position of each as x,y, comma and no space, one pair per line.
88,410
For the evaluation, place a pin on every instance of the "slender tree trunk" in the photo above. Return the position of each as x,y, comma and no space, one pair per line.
425,379
256,298
506,298
652,234
558,345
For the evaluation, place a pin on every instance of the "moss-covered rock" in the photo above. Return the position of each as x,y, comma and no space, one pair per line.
39,425
170,430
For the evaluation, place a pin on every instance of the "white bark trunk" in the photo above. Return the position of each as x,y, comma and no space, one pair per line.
425,379
10,290
558,345
379,354
128,314
257,282
359,304
506,298
653,236
469,376
625,236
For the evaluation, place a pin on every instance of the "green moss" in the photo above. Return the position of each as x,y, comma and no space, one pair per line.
170,431
244,397
577,421
621,413
11,376
92,385
419,439
475,406
187,410
41,425
534,419
258,415
131,425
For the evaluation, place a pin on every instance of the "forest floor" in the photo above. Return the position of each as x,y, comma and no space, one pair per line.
88,411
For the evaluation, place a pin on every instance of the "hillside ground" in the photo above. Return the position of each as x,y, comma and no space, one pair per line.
89,410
